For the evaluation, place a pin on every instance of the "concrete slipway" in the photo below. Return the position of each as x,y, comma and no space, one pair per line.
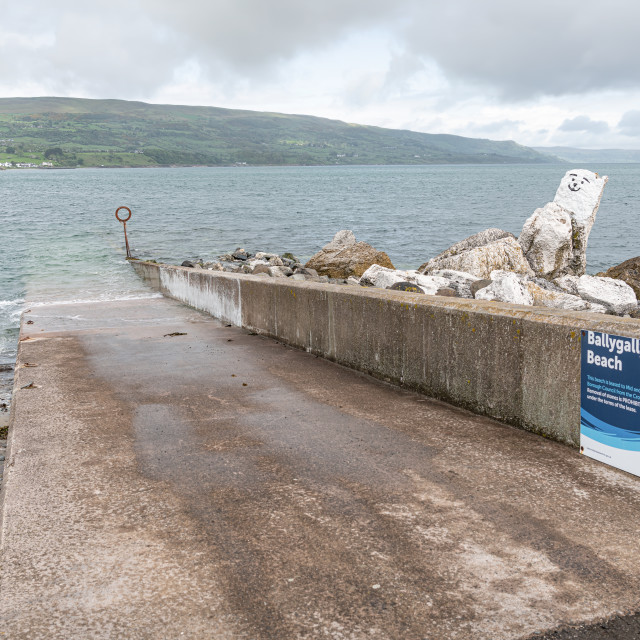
217,484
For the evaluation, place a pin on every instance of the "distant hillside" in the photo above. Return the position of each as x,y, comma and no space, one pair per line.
80,132
570,154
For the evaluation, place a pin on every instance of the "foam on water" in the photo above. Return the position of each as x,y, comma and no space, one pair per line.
104,298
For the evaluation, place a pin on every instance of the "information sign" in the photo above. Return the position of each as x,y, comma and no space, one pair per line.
610,400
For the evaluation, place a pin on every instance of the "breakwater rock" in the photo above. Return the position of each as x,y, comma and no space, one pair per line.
544,266
341,261
554,238
482,253
627,271
345,257
265,264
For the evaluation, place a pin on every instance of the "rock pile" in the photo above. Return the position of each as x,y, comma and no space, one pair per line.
341,261
263,264
544,266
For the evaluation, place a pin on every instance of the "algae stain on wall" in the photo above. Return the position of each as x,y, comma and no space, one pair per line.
192,289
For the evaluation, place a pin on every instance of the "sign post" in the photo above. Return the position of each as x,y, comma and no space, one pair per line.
610,400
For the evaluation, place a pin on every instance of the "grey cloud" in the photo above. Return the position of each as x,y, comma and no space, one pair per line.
533,48
521,50
402,67
379,87
250,34
512,49
584,123
110,49
629,124
117,47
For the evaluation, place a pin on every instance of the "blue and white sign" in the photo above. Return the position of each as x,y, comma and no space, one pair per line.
610,400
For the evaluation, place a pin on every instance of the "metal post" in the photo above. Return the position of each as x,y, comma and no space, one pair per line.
124,224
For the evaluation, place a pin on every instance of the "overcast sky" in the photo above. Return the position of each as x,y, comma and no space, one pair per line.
541,73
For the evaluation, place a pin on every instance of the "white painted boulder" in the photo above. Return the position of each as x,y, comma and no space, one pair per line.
628,271
554,239
617,296
472,242
542,293
568,283
580,192
504,254
459,281
384,278
546,297
430,284
546,240
506,286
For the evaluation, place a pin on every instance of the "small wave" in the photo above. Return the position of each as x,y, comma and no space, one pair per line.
9,303
49,303
10,312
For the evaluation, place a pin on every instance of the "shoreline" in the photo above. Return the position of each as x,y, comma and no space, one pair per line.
336,164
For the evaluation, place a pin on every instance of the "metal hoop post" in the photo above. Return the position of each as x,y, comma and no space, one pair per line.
124,225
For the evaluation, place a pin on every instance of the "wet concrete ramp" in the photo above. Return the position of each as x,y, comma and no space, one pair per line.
169,476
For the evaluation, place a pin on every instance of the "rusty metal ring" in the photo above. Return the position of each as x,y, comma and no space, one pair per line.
123,219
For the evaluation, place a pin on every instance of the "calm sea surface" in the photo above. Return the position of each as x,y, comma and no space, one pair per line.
61,241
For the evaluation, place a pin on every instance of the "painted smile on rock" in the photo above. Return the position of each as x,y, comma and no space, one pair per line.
573,185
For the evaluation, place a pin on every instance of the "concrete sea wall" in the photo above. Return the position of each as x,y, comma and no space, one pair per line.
517,364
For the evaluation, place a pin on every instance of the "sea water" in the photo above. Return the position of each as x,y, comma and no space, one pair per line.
61,241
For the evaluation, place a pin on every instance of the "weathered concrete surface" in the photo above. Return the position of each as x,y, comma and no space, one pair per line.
518,364
219,484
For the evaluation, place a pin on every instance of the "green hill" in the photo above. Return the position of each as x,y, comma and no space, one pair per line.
80,132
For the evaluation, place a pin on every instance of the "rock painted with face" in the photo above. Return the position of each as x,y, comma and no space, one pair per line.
579,194
554,239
